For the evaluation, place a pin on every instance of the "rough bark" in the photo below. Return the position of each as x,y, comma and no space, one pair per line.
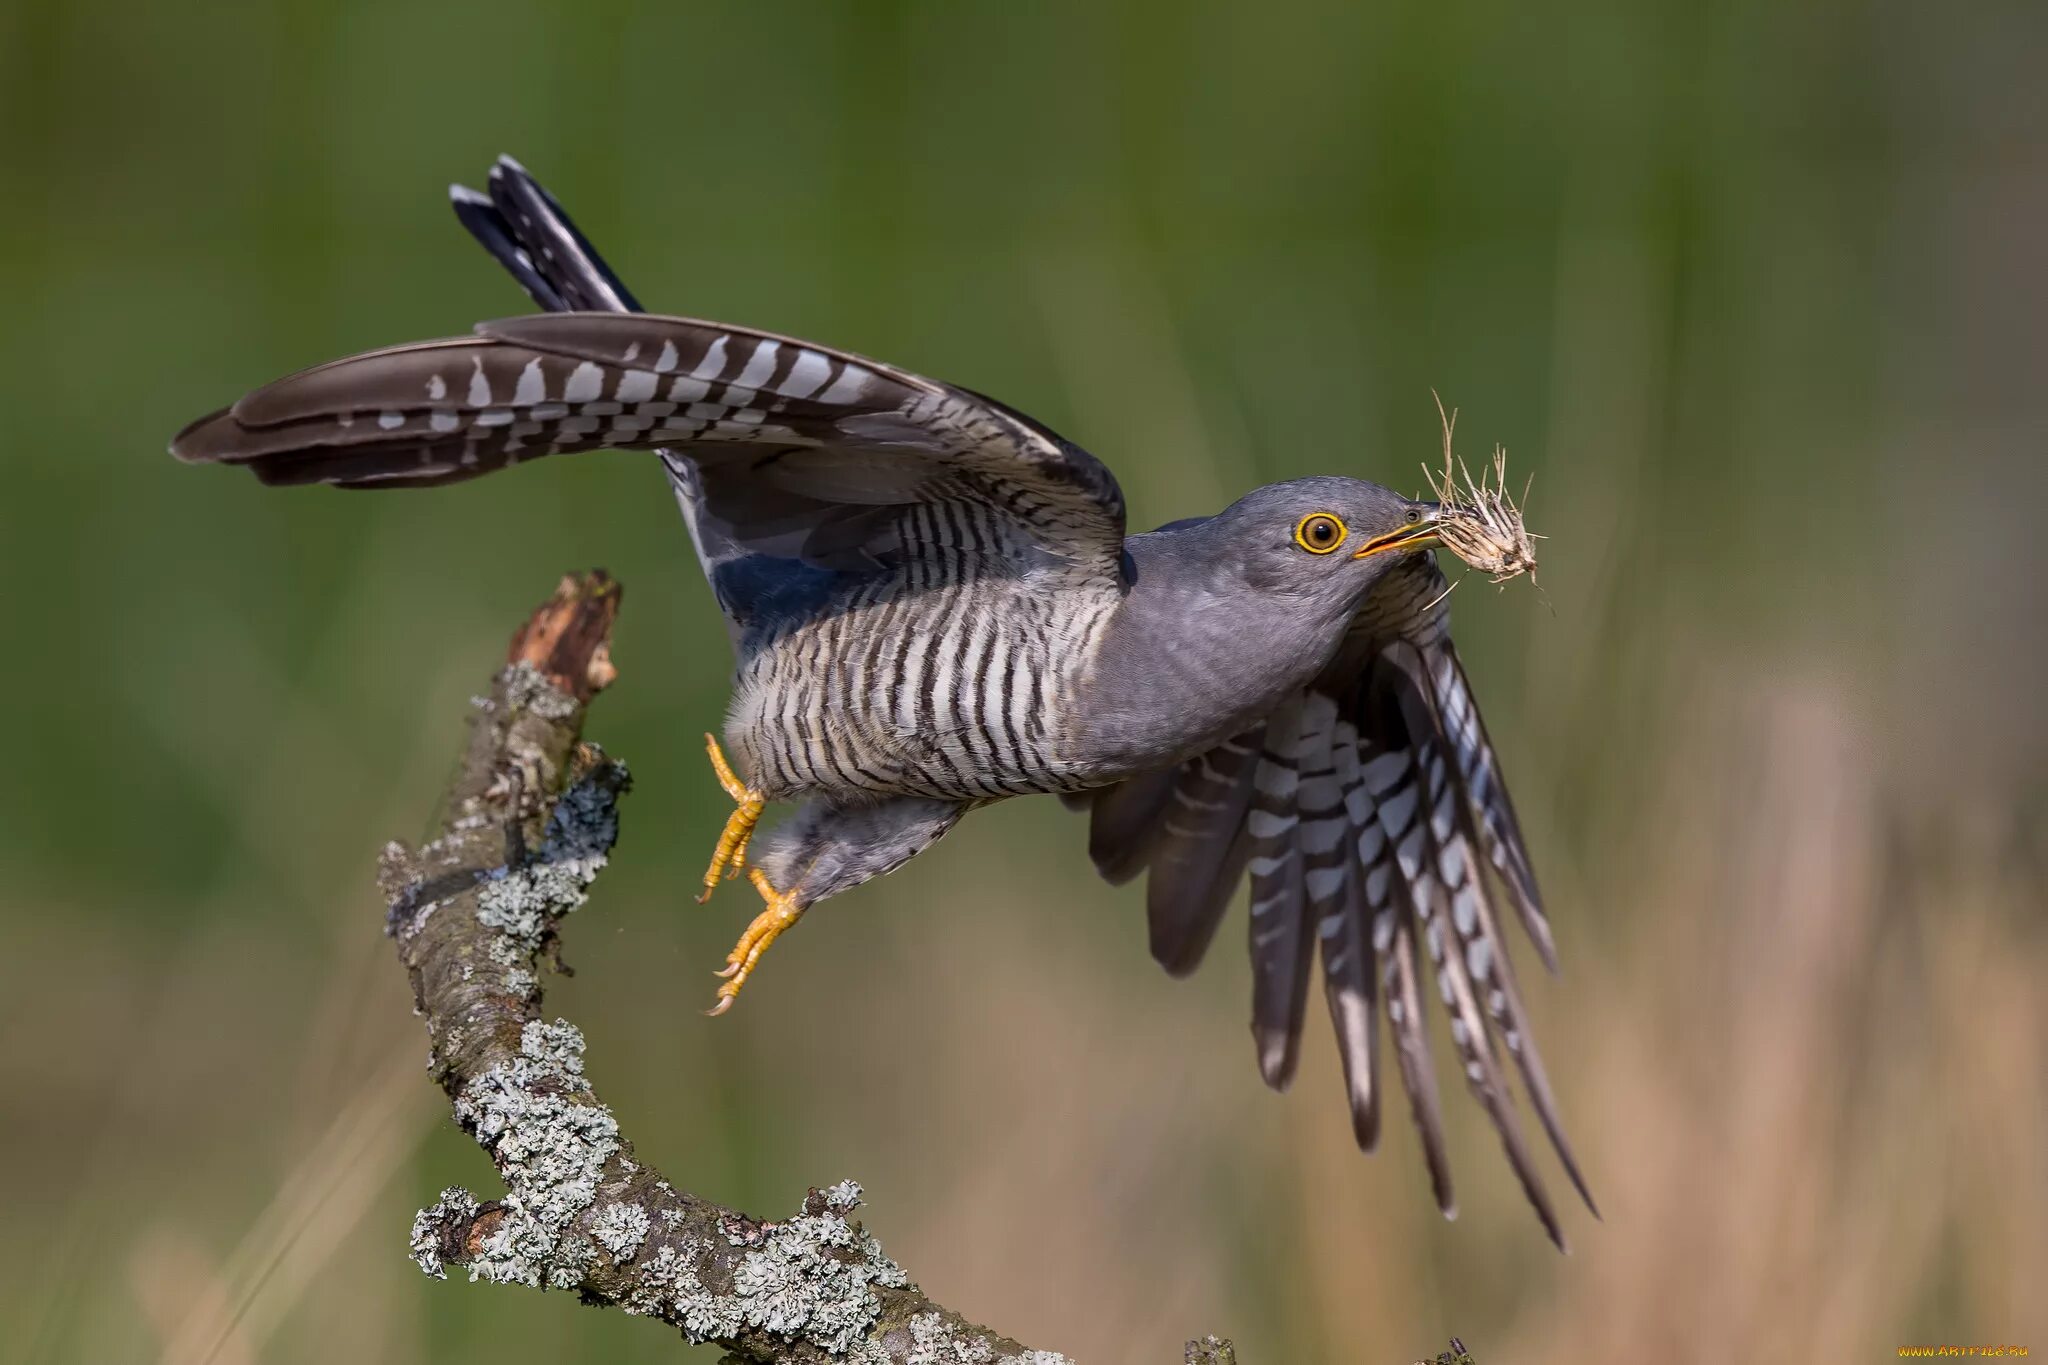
526,827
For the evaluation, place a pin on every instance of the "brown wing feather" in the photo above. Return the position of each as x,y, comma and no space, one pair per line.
801,449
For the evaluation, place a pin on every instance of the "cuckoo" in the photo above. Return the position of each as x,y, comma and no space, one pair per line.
935,605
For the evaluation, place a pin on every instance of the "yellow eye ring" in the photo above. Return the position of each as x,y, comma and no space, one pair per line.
1320,533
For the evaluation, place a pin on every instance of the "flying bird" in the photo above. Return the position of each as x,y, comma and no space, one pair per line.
935,604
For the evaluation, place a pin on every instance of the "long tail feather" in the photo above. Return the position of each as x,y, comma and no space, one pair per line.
521,225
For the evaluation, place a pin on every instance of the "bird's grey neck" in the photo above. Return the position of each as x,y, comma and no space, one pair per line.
1191,657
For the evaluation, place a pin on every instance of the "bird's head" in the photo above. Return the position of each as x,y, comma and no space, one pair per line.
1324,541
1228,615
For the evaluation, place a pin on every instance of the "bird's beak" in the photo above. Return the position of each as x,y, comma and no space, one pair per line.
1421,535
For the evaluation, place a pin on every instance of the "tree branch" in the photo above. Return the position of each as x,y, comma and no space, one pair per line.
525,830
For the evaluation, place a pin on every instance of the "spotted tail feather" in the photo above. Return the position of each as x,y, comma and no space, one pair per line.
527,231
529,234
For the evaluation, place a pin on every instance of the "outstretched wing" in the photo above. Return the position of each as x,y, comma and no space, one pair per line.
802,453
1363,811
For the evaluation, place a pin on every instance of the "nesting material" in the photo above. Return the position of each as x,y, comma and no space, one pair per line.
1480,523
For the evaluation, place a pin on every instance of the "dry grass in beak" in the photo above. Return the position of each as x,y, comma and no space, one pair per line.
1479,522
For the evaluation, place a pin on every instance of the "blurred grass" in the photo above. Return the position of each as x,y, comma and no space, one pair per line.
1755,289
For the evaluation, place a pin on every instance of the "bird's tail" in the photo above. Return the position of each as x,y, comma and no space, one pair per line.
529,233
520,224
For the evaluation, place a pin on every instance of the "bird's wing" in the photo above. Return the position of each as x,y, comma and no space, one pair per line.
1358,809
528,232
802,453
1411,784
1410,610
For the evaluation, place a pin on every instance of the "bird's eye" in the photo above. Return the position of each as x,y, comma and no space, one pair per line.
1414,515
1319,533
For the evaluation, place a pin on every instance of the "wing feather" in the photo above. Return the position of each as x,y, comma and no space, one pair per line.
1483,961
1500,833
1368,813
1201,851
1344,937
1408,1021
1296,749
1127,822
801,451
1419,842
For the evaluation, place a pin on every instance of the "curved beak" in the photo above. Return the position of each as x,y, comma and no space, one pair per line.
1419,535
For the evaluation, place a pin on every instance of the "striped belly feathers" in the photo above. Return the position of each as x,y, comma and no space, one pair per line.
948,688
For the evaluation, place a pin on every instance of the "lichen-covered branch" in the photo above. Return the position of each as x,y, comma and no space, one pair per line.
525,830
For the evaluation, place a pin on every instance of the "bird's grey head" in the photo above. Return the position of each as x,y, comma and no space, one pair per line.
1316,545
1229,614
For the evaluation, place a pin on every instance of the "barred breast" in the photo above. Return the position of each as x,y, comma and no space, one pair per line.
950,678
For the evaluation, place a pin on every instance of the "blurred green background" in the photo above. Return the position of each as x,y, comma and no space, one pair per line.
1756,290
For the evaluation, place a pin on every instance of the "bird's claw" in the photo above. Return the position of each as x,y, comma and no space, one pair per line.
731,853
783,909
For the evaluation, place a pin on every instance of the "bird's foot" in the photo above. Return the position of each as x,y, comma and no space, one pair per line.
731,854
784,909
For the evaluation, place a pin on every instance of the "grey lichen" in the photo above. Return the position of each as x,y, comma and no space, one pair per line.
528,690
620,1229
667,1286
931,1343
585,822
551,1144
523,903
809,1280
456,1206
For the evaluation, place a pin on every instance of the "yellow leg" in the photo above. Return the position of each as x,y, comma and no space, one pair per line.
782,911
731,854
